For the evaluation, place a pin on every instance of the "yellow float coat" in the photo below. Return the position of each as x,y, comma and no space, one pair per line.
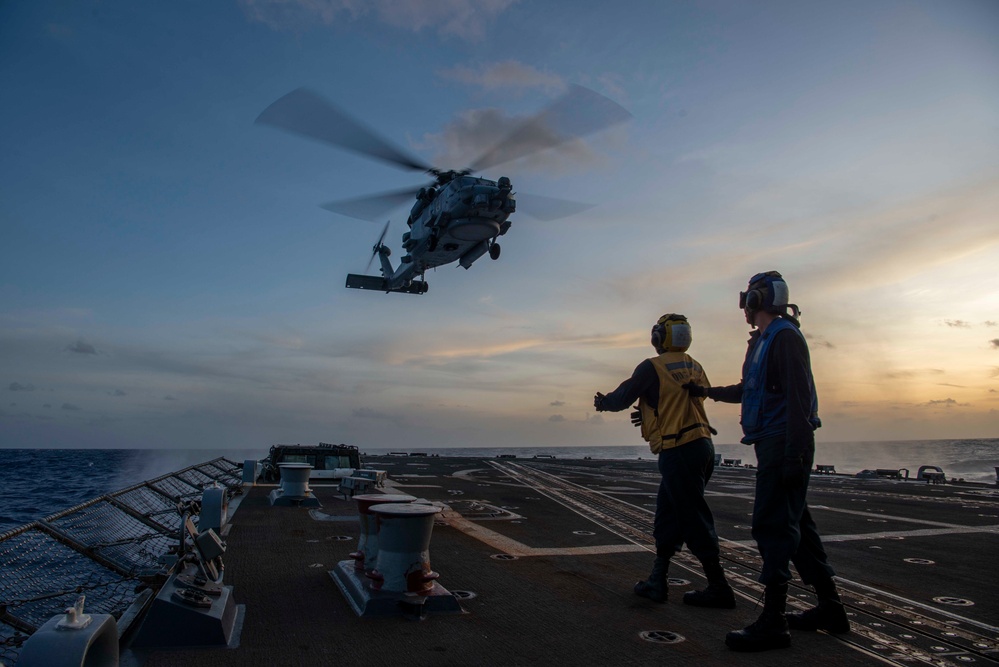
679,417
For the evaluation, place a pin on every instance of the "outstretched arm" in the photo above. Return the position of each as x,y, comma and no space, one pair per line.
641,382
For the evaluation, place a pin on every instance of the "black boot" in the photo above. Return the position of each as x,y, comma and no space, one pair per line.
828,615
717,595
770,629
654,588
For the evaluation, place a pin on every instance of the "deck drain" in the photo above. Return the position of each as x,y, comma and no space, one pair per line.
340,538
661,636
965,658
954,602
919,561
463,595
676,581
504,557
583,532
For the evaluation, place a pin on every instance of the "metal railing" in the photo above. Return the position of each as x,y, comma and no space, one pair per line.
108,549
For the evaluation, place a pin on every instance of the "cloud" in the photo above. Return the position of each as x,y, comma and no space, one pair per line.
117,392
903,374
596,420
557,404
466,19
556,418
70,406
550,139
81,347
17,386
509,74
945,403
958,324
475,131
819,341
994,343
169,398
989,323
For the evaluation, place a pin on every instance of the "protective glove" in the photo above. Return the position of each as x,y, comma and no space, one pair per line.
696,390
598,402
793,472
636,417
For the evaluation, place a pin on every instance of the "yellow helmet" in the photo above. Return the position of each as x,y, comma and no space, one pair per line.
671,333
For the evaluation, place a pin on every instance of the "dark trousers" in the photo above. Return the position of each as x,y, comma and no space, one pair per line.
782,525
682,514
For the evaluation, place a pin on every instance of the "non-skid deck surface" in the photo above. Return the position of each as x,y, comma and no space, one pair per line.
580,534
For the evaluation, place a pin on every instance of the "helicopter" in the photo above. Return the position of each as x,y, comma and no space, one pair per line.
457,217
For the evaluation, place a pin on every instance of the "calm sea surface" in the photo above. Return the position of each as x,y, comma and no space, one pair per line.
40,482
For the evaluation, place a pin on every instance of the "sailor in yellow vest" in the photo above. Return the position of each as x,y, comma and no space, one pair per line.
677,430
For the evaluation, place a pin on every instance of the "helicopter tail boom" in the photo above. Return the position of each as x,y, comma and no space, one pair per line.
379,284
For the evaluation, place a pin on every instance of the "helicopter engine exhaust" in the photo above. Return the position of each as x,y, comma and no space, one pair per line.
478,250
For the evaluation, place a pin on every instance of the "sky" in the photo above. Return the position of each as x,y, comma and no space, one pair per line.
168,278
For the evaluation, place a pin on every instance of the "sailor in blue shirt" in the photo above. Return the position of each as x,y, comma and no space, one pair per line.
779,417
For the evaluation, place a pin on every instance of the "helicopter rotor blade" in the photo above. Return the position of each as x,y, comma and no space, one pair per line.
303,112
371,207
577,113
548,208
378,245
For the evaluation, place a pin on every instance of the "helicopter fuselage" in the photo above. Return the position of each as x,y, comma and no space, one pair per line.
458,221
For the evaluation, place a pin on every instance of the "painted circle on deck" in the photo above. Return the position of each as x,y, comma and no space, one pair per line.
676,581
463,595
954,602
661,636
919,561
583,532
504,557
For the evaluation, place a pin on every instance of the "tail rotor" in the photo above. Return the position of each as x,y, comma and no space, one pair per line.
379,248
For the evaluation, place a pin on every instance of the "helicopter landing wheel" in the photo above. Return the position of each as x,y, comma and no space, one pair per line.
494,251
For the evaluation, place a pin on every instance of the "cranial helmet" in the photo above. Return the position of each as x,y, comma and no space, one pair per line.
768,292
671,333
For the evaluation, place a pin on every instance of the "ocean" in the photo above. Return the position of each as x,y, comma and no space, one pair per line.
40,482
